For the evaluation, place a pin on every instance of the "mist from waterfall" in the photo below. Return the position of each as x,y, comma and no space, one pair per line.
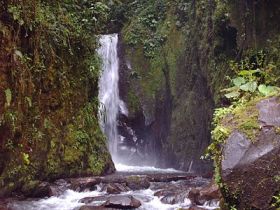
110,102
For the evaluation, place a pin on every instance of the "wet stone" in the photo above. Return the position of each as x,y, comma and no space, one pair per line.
86,183
89,200
95,208
122,202
115,188
137,183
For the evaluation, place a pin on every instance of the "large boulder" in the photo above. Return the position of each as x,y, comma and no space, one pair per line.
250,168
90,200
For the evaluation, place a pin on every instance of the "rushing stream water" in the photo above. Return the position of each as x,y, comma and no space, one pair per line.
71,200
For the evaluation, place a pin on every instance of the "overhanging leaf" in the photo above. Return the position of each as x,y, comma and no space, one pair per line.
249,87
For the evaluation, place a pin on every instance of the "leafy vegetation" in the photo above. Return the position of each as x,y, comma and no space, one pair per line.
276,202
253,77
145,30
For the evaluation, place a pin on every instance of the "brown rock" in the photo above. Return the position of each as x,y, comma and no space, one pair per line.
194,195
137,183
81,184
115,188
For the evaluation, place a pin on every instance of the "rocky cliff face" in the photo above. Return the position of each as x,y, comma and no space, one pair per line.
170,84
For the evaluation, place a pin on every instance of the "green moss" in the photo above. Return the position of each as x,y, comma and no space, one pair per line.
133,102
246,119
242,117
166,55
29,186
84,148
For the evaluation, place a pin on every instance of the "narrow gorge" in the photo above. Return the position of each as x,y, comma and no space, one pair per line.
139,104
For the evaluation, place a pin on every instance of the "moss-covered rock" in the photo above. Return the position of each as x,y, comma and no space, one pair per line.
247,164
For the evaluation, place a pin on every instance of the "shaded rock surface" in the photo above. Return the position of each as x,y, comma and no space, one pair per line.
269,112
116,188
45,189
200,196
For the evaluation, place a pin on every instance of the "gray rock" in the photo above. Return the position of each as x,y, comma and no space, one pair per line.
89,200
122,202
234,150
269,111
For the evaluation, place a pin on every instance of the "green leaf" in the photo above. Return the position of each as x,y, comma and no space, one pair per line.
248,72
238,81
234,94
25,158
8,94
267,90
249,87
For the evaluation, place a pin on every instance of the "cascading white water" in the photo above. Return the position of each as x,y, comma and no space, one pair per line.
110,102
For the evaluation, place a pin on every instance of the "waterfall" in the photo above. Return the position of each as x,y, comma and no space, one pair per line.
110,102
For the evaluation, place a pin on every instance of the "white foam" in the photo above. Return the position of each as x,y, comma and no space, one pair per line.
67,201
126,168
70,201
